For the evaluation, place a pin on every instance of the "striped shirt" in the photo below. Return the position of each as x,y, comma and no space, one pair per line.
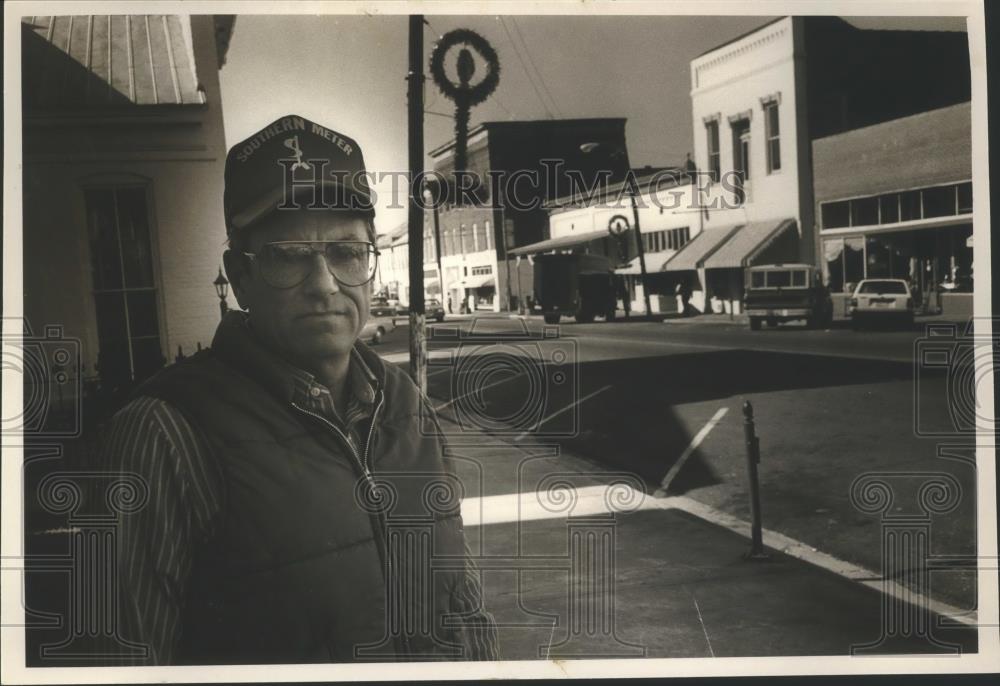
156,544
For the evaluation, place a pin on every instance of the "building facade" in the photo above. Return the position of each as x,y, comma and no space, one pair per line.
894,200
758,103
123,151
522,165
605,225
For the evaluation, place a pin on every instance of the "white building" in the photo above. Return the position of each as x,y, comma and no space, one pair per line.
749,115
468,259
758,104
668,220
123,154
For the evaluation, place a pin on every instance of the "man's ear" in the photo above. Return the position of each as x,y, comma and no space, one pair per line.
236,271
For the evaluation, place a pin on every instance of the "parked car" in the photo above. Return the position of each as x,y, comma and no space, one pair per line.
784,292
433,309
380,307
376,328
881,300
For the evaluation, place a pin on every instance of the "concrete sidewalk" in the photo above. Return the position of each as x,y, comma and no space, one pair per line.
574,568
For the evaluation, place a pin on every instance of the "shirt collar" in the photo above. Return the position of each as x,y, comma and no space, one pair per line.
298,383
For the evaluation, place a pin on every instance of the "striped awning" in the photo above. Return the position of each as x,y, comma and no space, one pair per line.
108,61
748,241
698,248
569,241
654,263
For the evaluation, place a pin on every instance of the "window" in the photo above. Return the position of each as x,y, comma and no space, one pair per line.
741,157
128,328
482,271
833,254
854,261
477,241
864,211
888,207
965,198
682,236
891,208
799,278
757,279
714,160
909,205
939,201
773,135
779,279
887,287
836,215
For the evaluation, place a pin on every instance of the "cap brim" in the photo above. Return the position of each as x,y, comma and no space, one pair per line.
269,202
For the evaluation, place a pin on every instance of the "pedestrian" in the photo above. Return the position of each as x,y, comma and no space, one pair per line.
279,460
449,304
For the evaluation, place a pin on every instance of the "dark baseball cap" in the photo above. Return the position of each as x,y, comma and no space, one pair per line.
293,162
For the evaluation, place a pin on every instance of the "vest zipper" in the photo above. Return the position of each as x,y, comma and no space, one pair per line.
362,461
347,440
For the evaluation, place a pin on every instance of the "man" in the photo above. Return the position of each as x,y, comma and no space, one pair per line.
289,474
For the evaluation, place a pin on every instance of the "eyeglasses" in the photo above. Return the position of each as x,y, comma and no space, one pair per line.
286,264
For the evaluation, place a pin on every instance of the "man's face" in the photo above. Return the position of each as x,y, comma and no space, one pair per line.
320,318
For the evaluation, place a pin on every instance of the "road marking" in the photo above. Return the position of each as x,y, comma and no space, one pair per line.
589,500
555,414
701,621
555,504
688,451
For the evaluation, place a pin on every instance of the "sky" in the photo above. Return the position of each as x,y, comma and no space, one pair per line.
348,73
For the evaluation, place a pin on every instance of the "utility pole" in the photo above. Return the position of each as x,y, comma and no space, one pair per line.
437,239
415,121
638,239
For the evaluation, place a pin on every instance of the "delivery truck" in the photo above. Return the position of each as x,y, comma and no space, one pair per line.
576,285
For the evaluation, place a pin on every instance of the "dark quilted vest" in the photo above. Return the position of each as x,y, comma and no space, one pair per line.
303,554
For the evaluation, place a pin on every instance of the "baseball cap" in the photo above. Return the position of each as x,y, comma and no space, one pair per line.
293,162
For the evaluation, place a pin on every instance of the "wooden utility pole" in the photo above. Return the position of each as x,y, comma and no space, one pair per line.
415,118
638,239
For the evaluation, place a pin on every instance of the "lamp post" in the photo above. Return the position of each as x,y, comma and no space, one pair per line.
222,290
429,197
617,152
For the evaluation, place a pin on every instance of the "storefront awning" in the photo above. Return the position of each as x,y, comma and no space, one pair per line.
698,248
654,263
473,281
562,242
748,241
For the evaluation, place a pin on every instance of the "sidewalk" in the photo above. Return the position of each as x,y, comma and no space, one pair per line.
652,577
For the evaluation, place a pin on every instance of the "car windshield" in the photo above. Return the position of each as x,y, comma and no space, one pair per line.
890,287
433,303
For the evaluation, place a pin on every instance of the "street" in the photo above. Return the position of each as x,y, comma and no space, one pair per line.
660,406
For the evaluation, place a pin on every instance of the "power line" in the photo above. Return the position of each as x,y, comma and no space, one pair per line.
517,30
524,66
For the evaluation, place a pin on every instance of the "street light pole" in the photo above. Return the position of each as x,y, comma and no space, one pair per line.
642,249
221,284
429,196
617,152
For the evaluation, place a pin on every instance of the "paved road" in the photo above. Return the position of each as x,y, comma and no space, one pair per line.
830,406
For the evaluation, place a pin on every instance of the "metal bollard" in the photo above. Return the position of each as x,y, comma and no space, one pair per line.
753,458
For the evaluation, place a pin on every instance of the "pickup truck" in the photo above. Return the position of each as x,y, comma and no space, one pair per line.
783,292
